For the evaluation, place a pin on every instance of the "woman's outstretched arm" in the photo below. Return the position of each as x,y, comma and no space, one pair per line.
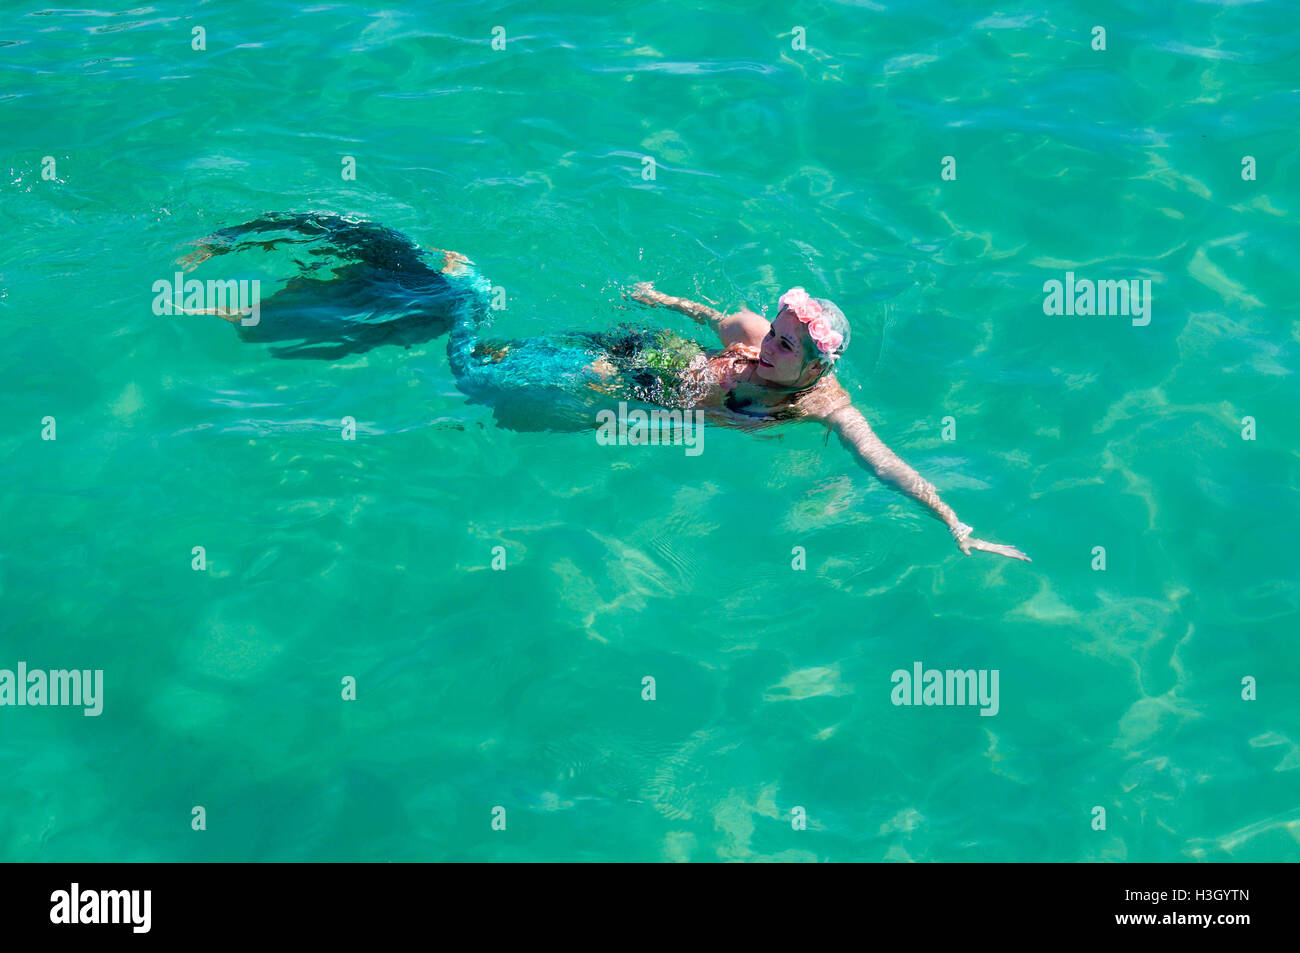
744,326
858,436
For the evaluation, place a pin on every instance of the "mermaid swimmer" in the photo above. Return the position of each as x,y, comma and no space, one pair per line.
766,373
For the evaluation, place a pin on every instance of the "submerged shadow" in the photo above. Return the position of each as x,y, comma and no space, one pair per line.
360,286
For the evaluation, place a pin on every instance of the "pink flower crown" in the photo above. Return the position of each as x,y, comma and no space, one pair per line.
827,339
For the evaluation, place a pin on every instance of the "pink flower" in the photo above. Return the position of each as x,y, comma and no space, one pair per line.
829,342
798,301
810,313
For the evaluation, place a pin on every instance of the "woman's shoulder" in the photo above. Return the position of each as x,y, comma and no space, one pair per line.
742,326
823,399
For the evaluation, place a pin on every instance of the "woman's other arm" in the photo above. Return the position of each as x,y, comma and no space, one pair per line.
857,435
745,327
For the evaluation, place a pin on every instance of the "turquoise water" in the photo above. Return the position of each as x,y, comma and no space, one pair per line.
522,688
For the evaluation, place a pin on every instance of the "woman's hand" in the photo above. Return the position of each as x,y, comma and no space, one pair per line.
965,542
644,291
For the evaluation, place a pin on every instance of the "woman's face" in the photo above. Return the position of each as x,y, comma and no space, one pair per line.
782,359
